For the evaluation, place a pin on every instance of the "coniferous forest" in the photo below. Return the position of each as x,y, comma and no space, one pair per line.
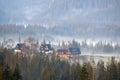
59,39
43,67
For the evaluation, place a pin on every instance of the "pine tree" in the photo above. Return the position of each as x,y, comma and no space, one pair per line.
16,73
84,73
118,70
75,71
91,71
1,72
112,70
101,71
43,74
7,72
52,74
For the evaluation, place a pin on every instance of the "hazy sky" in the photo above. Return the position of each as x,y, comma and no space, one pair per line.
52,12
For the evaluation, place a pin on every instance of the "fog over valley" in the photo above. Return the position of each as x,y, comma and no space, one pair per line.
59,39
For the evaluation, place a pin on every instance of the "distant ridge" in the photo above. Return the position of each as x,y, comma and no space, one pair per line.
59,11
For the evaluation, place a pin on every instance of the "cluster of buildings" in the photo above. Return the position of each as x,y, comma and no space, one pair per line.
71,52
68,52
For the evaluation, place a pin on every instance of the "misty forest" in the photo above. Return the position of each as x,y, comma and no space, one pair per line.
43,67
59,39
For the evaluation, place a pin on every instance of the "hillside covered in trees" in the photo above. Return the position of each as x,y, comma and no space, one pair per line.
43,67
51,33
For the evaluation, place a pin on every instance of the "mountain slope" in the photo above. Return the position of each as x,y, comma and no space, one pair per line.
59,11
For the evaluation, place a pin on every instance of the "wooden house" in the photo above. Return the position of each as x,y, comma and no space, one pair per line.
68,53
46,48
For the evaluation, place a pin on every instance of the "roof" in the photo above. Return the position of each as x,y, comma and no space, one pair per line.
62,51
44,46
71,50
75,50
19,46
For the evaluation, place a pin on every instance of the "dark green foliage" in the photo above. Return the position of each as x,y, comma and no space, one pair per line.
42,67
84,73
75,72
16,73
118,70
1,72
101,71
7,72
112,70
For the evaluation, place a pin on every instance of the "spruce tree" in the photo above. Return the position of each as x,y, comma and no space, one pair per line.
101,71
7,72
1,73
84,73
16,73
43,74
113,70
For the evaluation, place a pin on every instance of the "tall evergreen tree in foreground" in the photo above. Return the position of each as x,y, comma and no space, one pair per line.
101,73
1,72
16,73
7,72
84,73
112,70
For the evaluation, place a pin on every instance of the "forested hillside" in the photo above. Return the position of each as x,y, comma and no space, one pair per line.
73,31
43,67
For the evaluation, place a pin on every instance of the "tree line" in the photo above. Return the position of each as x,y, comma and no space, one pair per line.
44,67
